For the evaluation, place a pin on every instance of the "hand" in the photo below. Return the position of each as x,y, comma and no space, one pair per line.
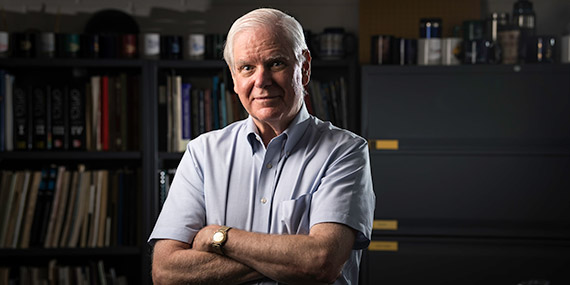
203,239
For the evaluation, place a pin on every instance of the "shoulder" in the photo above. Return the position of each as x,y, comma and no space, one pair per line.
330,135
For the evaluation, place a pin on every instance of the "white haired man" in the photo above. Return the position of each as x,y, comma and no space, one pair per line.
278,197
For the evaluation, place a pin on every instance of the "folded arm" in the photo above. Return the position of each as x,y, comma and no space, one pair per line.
174,262
314,258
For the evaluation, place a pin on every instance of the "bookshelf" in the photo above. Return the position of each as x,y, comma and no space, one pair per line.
145,159
470,165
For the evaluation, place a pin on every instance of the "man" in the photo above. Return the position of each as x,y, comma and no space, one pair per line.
278,197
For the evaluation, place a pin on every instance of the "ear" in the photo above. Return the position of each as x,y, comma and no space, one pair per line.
233,79
306,67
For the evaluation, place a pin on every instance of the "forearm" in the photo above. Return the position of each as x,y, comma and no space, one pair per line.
285,258
317,257
176,263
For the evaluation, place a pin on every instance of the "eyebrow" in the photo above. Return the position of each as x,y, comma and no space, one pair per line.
269,59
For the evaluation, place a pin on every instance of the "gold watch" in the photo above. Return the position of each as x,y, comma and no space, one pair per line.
219,239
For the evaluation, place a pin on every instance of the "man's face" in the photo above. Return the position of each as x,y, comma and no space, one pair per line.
267,77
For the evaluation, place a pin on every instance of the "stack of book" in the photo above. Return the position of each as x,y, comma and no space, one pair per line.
57,207
327,100
93,273
98,113
189,107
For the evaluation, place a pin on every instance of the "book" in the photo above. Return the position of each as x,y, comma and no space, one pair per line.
30,209
134,115
95,113
56,205
177,113
186,120
102,212
22,116
39,117
215,102
14,208
21,208
2,110
9,113
105,85
122,113
76,117
48,201
5,202
4,231
162,119
61,210
169,114
223,106
71,205
59,118
81,207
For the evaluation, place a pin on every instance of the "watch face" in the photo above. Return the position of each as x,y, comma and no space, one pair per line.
218,237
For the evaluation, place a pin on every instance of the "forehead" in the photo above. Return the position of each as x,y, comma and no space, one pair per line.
256,42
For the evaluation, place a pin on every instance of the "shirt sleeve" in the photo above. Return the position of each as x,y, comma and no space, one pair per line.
183,213
345,194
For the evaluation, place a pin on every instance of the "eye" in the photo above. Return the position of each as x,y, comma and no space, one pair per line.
277,64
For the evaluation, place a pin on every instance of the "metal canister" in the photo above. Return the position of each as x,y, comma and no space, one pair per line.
430,28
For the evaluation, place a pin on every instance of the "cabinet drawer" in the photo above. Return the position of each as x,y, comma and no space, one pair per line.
467,103
466,261
467,194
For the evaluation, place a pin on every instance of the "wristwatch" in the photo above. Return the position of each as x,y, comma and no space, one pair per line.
219,239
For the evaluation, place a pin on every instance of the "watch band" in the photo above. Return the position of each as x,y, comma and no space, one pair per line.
219,239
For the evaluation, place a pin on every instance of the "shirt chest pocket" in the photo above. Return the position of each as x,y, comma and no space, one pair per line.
294,215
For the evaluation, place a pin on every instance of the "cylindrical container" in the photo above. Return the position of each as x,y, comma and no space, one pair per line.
404,51
565,49
24,45
47,45
450,51
68,45
541,49
4,44
430,28
196,46
380,50
429,51
151,45
128,47
171,47
331,43
108,46
525,20
509,41
89,45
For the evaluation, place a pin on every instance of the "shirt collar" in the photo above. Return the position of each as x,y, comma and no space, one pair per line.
292,134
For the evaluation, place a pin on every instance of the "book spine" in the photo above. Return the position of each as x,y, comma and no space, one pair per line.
59,118
215,103
39,102
105,113
21,118
223,107
9,118
77,118
186,113
2,110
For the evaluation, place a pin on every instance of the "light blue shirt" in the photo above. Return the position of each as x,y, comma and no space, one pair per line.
311,173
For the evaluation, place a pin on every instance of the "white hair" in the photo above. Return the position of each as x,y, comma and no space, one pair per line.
281,23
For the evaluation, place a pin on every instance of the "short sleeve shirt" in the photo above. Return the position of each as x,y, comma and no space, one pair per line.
311,173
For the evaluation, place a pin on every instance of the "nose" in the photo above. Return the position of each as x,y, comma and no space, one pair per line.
263,77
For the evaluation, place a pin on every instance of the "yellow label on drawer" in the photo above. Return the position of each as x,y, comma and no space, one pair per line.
387,225
383,246
386,144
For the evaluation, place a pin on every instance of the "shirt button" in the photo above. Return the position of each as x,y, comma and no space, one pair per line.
269,165
263,200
